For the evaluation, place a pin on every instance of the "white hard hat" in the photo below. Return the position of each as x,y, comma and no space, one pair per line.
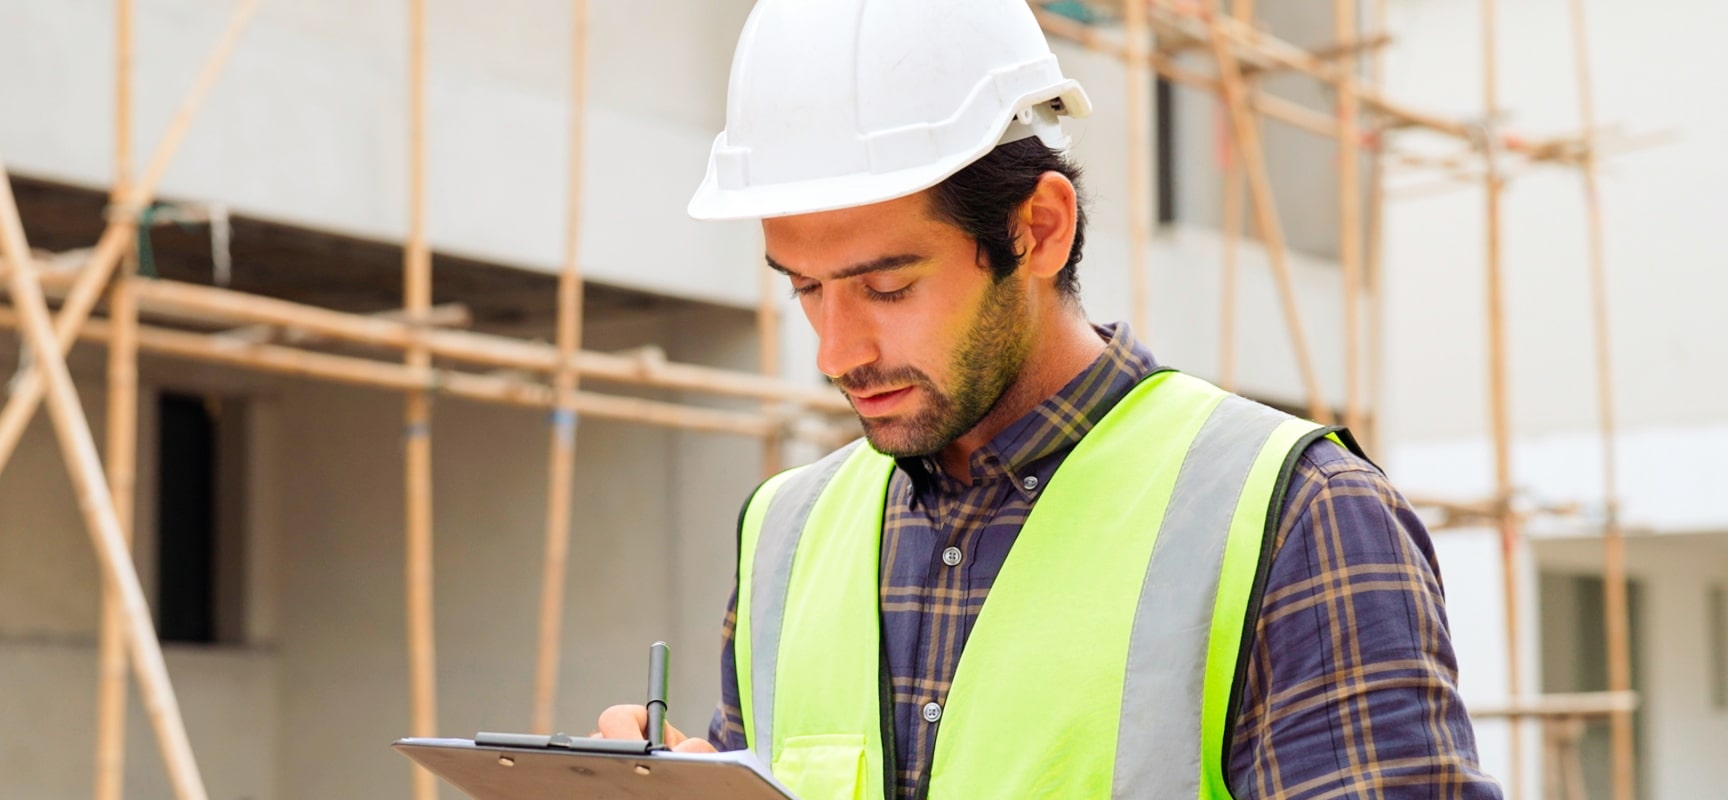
841,103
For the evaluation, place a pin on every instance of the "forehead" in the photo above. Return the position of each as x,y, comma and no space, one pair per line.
812,244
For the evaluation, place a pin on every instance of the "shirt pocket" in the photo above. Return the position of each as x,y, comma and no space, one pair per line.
823,767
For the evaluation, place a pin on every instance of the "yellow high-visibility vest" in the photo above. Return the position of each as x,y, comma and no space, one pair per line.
1105,661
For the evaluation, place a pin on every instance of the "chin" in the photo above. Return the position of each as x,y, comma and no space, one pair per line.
885,436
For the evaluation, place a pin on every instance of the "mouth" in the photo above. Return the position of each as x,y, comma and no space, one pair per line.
879,403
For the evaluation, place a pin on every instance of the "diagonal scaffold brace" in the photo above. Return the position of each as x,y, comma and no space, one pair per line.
119,574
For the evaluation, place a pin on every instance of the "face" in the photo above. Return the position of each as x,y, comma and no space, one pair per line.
913,327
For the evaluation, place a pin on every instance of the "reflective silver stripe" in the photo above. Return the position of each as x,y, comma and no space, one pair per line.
1158,740
782,524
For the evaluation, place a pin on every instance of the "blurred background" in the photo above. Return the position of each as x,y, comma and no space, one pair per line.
1412,178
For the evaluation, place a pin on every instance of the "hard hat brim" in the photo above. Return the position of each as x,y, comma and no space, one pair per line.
713,203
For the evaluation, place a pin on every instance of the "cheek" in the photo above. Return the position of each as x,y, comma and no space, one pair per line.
926,332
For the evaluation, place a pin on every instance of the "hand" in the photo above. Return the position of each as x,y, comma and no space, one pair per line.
631,722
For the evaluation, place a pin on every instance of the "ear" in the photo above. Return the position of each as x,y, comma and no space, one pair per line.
1047,221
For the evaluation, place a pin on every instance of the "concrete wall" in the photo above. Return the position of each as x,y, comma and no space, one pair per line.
1684,730
309,123
49,607
308,127
1667,272
1185,283
1302,167
306,706
1669,337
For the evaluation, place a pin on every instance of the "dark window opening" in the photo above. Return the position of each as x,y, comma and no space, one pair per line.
1164,144
1718,638
197,514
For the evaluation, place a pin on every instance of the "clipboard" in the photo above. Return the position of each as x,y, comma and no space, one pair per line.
512,766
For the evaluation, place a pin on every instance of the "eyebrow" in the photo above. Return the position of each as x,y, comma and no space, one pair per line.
884,264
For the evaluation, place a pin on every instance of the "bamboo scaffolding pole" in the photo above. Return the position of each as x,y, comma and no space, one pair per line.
505,390
1347,48
444,315
96,505
417,425
117,236
1374,250
1498,391
1615,609
1139,167
768,362
1581,704
1232,235
1350,213
226,306
121,445
1243,10
565,380
1185,21
1247,142
1293,114
1185,18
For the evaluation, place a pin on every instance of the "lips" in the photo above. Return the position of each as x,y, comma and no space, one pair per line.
880,403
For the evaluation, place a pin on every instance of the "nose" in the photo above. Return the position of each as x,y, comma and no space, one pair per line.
846,338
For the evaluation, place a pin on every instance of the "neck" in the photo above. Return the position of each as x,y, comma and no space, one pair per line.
1060,351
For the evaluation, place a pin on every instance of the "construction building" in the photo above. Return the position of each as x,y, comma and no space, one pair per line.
272,513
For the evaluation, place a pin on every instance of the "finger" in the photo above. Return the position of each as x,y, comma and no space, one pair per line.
624,722
693,746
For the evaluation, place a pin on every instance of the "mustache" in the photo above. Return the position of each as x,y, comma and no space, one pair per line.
864,379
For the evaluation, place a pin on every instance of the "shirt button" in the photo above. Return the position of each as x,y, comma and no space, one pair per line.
932,712
952,556
1031,482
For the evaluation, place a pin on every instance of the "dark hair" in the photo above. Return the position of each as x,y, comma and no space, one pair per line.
981,200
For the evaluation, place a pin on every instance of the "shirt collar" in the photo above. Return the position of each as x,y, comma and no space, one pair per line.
1053,427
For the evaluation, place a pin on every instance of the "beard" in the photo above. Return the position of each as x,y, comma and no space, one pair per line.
987,361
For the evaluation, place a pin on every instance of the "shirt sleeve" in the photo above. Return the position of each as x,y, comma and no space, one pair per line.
726,729
1352,684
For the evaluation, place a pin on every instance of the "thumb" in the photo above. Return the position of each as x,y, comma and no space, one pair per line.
693,746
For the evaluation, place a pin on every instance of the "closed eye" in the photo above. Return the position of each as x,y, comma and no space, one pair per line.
888,297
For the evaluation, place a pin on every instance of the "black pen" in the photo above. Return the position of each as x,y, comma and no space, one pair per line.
659,675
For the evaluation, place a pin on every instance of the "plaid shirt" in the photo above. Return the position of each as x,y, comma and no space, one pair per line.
1351,688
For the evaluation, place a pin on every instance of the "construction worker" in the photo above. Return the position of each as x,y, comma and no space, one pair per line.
1052,568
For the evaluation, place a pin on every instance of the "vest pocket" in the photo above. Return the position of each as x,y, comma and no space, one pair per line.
824,767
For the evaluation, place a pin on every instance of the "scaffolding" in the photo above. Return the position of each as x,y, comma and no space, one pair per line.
1366,121
427,357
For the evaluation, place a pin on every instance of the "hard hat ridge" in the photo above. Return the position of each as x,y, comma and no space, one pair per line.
840,103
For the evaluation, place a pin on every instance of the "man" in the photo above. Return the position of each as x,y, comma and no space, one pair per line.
1056,569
